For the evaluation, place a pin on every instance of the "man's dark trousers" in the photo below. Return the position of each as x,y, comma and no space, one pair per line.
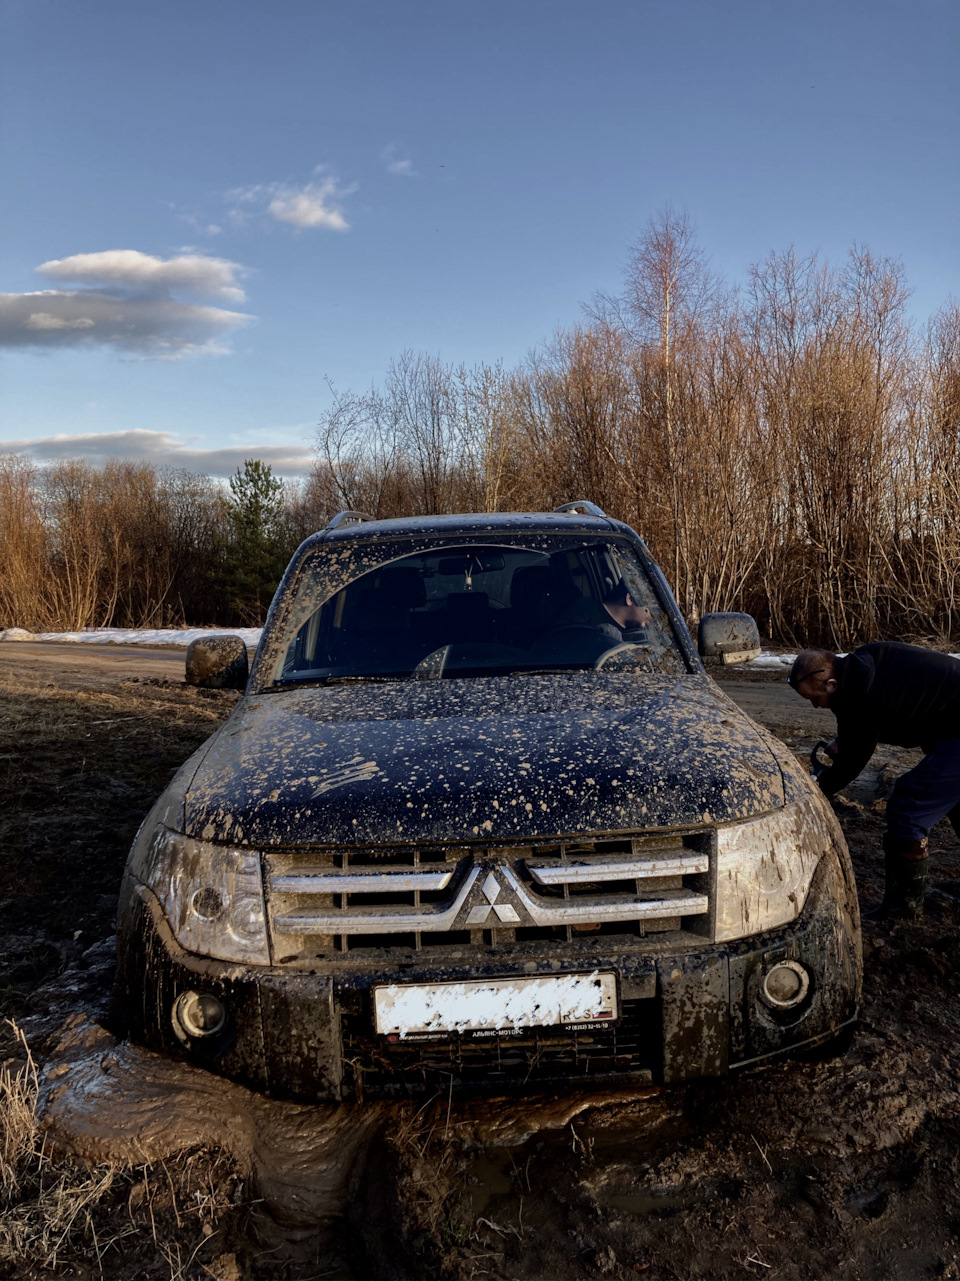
927,793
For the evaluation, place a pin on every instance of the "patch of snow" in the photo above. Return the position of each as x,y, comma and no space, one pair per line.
767,659
138,635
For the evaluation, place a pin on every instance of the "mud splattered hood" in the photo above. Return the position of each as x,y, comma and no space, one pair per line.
501,758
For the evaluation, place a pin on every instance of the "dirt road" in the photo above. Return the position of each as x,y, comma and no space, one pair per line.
99,665
844,1169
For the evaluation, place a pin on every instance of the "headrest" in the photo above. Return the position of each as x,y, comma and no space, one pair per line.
468,604
401,587
530,586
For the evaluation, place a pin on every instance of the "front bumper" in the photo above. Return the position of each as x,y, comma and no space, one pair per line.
687,1012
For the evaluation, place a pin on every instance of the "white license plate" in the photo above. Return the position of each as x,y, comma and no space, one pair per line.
486,1005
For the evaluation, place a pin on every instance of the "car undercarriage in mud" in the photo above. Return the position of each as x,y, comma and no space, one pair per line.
483,820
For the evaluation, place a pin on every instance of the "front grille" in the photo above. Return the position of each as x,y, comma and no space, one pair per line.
376,1068
339,900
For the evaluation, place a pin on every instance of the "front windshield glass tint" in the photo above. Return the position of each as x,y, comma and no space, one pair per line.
479,610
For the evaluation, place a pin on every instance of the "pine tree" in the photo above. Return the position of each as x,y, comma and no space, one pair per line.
257,551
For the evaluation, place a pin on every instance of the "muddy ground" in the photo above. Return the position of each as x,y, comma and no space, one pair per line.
846,1168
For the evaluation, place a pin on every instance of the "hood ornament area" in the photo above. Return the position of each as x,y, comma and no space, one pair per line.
505,912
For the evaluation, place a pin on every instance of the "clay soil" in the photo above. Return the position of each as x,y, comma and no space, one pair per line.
843,1168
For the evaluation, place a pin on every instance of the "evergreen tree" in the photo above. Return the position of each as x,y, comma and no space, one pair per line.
257,552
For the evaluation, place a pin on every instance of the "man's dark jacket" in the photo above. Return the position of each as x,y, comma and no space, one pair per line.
890,693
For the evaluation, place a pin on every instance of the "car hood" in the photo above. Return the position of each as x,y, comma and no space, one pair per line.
495,759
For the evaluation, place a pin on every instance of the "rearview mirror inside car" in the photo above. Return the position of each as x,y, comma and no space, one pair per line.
471,563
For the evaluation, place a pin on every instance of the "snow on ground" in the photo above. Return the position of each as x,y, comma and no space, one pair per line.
768,659
250,635
136,635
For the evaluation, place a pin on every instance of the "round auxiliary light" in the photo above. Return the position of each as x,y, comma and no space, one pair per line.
786,985
199,1014
207,903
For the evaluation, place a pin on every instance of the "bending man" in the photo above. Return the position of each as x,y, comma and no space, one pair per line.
901,694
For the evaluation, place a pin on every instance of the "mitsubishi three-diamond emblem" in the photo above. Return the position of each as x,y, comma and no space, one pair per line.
506,914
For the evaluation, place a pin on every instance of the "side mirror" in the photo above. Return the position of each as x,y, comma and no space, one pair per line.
727,639
218,662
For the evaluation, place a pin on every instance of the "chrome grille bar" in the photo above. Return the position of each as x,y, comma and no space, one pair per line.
398,880
613,869
620,907
374,920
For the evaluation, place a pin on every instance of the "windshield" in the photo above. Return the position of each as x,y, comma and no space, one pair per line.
476,610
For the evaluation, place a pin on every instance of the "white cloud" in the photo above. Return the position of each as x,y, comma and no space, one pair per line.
310,206
128,304
159,327
396,163
129,269
163,449
314,204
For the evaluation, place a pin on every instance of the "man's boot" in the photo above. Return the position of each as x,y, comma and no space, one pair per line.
905,863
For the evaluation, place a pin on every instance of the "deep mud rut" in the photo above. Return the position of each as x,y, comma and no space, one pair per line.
845,1168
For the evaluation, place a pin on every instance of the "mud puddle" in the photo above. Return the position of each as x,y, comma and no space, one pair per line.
113,1102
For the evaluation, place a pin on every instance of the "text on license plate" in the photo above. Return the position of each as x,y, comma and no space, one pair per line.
495,1004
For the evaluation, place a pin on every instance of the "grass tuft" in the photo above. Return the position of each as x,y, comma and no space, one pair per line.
60,1215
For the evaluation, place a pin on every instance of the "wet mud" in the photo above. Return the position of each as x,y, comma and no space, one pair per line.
112,1102
845,1167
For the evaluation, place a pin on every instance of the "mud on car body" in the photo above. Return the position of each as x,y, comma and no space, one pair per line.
462,827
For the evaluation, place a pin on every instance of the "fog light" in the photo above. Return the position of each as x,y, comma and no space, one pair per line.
786,985
199,1014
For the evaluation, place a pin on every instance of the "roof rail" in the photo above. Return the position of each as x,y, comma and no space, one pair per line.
581,505
348,518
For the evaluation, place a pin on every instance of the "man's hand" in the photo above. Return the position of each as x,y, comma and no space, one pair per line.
818,766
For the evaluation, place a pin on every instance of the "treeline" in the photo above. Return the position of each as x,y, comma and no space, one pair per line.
790,448
131,545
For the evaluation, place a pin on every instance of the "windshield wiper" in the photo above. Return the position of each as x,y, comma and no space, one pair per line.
549,671
352,679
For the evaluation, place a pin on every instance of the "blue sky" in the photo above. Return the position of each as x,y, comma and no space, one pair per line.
233,202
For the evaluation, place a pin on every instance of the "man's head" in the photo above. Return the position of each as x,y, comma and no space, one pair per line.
624,610
812,676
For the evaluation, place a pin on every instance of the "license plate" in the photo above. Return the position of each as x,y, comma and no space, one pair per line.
488,1005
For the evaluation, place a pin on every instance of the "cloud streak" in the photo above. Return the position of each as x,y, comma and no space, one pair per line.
127,302
396,163
162,449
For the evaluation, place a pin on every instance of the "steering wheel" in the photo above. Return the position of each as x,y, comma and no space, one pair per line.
625,657
430,667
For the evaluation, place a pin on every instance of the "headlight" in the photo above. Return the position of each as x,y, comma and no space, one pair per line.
764,868
212,895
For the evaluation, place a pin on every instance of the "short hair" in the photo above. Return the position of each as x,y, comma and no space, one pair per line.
811,661
618,593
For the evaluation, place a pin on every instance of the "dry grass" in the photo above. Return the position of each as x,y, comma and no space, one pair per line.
79,768
59,1215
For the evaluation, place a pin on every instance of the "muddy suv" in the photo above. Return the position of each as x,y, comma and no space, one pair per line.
482,818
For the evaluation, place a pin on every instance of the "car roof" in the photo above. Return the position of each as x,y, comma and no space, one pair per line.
473,524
